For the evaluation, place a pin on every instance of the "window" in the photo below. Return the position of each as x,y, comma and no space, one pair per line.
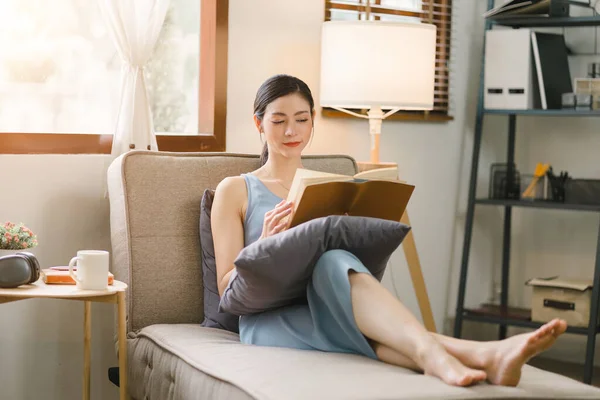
437,12
60,77
172,73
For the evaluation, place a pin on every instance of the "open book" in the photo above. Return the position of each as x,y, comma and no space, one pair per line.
375,193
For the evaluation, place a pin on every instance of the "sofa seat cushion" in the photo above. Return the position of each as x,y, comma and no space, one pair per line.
184,361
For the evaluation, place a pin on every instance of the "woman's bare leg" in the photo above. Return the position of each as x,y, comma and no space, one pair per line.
500,360
383,319
391,356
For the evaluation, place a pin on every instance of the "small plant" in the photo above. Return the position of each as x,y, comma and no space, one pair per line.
16,237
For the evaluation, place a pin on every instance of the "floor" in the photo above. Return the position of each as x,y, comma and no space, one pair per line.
571,370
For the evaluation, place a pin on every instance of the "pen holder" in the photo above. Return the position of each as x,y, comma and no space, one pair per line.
501,187
557,184
557,190
541,190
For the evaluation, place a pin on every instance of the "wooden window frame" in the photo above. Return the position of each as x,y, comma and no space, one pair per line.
212,103
443,27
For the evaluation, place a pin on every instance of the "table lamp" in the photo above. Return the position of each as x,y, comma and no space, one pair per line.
377,65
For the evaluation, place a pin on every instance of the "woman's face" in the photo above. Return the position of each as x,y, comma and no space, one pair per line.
287,125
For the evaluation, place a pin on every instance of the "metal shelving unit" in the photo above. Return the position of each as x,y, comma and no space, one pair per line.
503,317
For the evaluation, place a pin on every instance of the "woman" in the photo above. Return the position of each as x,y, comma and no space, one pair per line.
348,310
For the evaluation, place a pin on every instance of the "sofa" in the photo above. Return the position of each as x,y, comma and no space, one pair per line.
154,217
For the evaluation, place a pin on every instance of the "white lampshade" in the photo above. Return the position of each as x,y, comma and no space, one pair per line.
368,64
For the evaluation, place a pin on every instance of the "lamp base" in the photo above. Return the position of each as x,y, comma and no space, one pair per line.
375,148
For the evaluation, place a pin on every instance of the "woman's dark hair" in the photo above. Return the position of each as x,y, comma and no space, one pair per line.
273,88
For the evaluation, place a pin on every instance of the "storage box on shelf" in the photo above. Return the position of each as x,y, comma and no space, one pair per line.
557,297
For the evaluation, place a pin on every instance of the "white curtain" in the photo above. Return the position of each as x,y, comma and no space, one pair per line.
134,26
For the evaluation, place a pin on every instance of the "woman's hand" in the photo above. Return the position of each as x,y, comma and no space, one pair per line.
275,219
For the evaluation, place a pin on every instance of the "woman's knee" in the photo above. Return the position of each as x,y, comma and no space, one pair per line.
335,259
334,265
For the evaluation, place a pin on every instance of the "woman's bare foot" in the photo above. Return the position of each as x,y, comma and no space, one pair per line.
507,357
437,362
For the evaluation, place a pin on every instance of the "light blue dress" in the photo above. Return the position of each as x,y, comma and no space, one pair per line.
327,322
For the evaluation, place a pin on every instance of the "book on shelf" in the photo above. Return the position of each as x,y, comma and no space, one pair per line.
375,193
553,75
529,8
60,276
507,7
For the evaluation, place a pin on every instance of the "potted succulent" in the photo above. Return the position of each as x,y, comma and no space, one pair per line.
15,238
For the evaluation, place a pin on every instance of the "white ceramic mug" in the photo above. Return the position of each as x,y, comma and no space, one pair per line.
92,269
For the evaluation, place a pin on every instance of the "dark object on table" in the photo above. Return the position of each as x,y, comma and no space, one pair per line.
18,269
557,185
501,187
582,191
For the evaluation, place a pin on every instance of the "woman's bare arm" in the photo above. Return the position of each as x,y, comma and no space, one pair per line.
227,226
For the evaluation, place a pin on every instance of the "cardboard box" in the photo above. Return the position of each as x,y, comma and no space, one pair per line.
561,298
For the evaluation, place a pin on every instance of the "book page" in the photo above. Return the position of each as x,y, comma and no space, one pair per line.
388,173
305,177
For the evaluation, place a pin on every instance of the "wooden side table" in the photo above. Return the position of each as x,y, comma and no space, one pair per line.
115,294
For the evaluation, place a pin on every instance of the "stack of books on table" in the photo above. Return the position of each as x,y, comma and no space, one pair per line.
60,276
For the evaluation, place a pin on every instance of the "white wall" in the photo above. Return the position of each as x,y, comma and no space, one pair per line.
41,341
61,197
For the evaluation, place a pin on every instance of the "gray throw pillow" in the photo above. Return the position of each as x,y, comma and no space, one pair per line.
275,271
213,317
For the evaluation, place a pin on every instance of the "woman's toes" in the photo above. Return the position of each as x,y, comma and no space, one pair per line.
480,376
464,380
561,327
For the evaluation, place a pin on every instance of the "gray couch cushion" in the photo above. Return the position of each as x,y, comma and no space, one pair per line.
176,362
275,271
213,317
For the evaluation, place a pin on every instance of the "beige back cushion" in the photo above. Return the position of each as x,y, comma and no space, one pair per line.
154,215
